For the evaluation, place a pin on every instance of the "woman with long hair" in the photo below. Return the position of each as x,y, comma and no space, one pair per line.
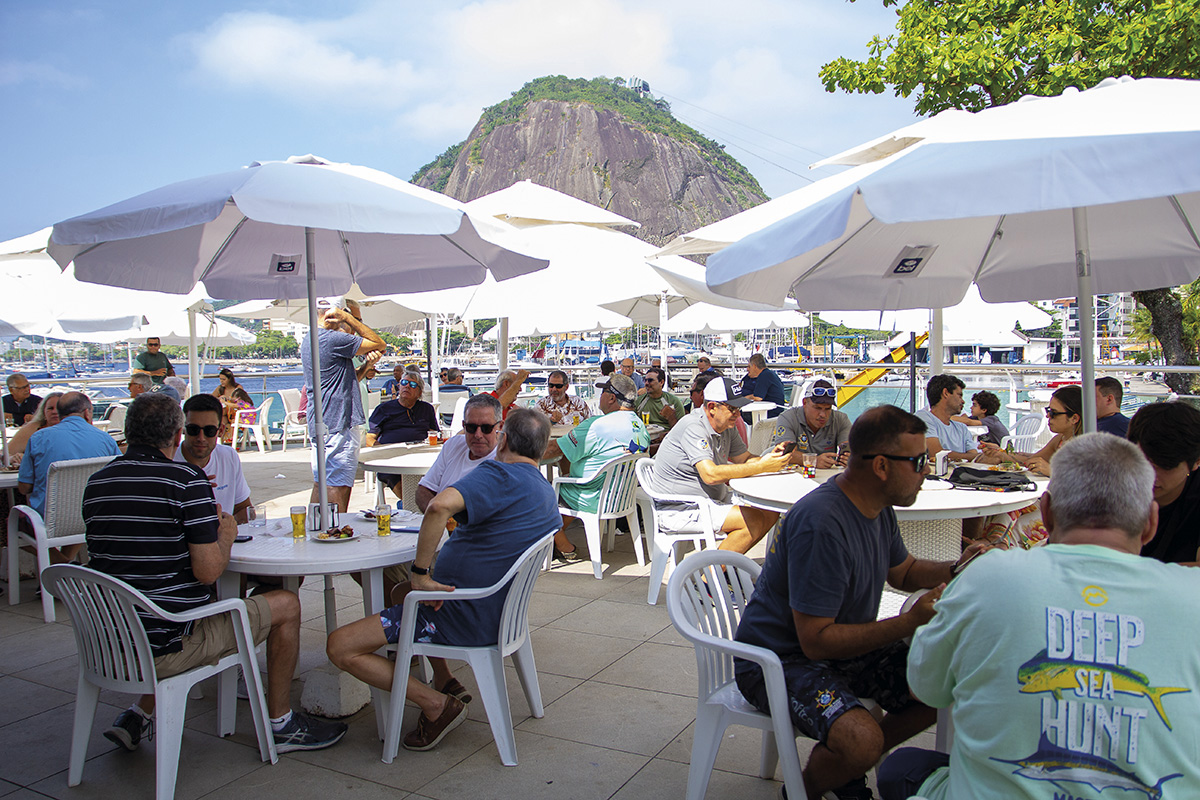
233,399
1065,414
45,416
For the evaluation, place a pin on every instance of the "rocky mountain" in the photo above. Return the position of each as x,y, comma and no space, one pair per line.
602,142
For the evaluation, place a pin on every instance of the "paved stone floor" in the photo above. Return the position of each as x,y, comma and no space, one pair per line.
618,685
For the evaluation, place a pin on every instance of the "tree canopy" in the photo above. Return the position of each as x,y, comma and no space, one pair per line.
971,54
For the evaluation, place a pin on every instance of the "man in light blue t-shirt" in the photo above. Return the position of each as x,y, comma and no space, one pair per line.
1068,669
945,395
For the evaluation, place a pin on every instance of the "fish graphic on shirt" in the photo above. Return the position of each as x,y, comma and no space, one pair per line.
1057,765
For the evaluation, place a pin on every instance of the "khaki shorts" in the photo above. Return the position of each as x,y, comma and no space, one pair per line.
212,639
681,518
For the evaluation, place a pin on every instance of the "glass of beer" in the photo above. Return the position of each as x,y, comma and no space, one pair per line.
298,522
383,519
433,438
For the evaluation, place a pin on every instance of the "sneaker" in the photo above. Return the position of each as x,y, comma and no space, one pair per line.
569,557
303,732
429,733
456,689
128,728
854,790
242,692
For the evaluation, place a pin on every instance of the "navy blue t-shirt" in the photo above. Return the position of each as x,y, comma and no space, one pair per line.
769,387
1117,424
392,422
827,561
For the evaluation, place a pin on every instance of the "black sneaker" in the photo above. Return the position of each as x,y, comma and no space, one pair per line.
854,790
128,728
303,732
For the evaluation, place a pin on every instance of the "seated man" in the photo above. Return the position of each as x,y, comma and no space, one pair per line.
202,447
503,507
627,369
658,406
761,383
391,387
591,445
460,454
152,522
20,403
508,386
454,382
1109,419
699,456
139,382
815,427
704,366
945,395
817,599
408,418
1063,665
560,407
1168,434
607,368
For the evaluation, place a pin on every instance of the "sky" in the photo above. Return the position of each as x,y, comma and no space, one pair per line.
105,100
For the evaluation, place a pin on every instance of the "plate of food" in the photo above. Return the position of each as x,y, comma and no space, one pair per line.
1007,466
342,534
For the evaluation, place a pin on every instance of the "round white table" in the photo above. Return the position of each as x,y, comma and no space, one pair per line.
758,410
413,459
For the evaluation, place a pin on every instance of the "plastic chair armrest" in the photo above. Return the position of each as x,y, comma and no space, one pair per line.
234,604
33,517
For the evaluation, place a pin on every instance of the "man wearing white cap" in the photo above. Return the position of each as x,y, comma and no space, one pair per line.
698,458
815,427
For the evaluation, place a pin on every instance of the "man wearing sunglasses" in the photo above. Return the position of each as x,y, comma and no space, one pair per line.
202,447
408,418
816,427
460,454
662,407
560,407
816,602
153,362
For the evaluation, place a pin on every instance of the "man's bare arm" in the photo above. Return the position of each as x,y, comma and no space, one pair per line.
209,560
509,395
424,495
371,341
823,638
712,473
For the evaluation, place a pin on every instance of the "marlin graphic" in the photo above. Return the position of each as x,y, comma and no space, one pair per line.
1042,674
1059,765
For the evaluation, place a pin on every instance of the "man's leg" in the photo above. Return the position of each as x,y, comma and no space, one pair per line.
744,526
855,742
283,650
336,494
901,774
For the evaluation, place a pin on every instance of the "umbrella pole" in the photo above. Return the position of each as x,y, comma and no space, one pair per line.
912,372
317,409
937,357
193,361
1087,320
662,331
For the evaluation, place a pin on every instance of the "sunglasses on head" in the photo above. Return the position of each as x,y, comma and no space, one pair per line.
410,384
918,462
487,427
192,429
556,385
821,391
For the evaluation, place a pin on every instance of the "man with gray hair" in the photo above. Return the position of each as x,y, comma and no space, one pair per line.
20,403
508,386
560,407
153,523
139,382
1064,664
460,454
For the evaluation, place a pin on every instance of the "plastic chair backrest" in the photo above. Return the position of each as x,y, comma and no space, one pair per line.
514,620
456,422
706,609
290,398
617,493
116,417
65,482
644,468
1025,432
114,651
760,436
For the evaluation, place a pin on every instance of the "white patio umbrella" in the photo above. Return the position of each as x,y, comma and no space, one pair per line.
706,318
377,312
957,321
281,230
1094,191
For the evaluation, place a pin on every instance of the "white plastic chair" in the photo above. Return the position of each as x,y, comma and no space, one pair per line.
616,499
663,543
253,421
760,436
116,422
1024,435
487,661
114,653
61,527
290,399
460,410
709,621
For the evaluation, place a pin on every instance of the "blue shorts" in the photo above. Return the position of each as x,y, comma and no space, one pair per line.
819,692
426,629
341,458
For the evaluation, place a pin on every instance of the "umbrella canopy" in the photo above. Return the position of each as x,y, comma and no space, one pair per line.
528,203
969,318
706,318
377,312
1095,191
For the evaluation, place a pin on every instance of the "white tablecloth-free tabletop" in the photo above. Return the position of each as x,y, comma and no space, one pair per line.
758,410
411,460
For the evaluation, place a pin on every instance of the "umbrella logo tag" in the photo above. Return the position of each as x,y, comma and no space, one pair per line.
910,261
284,265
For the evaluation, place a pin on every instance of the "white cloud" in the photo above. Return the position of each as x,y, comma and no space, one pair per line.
16,72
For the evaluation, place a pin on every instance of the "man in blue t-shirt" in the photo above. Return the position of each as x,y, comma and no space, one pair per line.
502,508
762,384
341,338
816,601
945,395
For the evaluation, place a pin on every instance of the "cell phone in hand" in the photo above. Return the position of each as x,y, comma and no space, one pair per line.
788,447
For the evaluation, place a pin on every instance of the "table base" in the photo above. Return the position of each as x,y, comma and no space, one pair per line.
332,693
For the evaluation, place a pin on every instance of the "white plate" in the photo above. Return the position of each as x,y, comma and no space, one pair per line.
312,537
935,486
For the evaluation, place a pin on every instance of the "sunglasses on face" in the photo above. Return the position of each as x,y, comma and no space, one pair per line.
918,462
1051,413
821,391
556,385
153,344
487,427
410,384
194,430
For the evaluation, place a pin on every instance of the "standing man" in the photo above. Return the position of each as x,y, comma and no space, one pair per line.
592,444
817,599
153,362
391,387
1109,418
20,402
763,384
699,456
815,427
342,409
482,424
945,395
1063,666
152,522
662,407
559,406
203,421
628,371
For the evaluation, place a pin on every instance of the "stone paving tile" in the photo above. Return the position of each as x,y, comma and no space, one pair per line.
41,645
15,625
7,788
657,667
575,654
622,620
37,747
667,780
297,780
24,699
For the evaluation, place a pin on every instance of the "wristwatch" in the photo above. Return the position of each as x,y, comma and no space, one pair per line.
415,570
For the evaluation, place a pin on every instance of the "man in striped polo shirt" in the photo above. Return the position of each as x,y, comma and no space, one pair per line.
153,523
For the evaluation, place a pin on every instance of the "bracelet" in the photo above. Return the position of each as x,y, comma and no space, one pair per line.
415,570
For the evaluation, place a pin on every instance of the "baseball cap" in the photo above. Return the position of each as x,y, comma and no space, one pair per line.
827,396
723,390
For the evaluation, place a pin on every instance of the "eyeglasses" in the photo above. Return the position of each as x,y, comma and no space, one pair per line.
23,386
410,384
919,462
153,344
556,385
821,391
1051,413
194,430
487,427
